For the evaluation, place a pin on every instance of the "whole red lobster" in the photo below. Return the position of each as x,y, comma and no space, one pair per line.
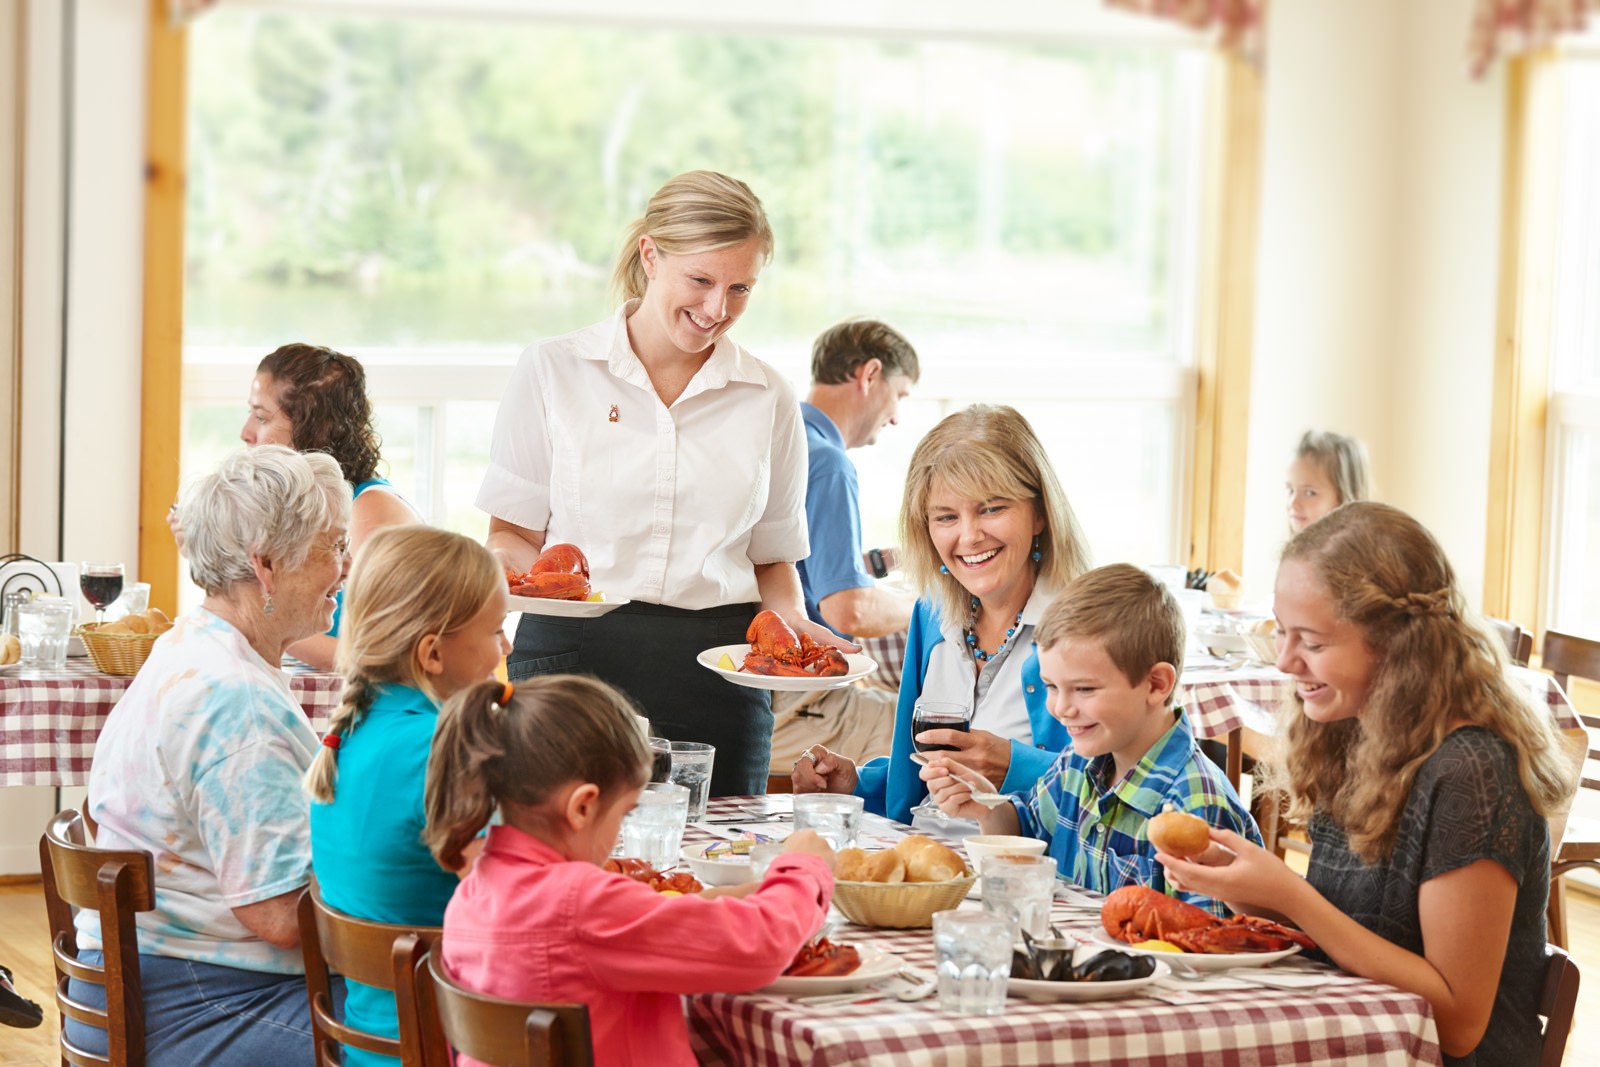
775,650
821,957
640,871
560,573
1138,913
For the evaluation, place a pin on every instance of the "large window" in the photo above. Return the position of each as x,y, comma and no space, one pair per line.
431,196
1573,452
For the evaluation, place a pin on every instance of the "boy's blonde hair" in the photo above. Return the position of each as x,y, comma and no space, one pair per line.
980,453
1342,460
700,211
502,743
408,582
1133,616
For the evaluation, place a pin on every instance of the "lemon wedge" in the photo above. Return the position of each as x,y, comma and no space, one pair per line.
671,893
1159,945
726,663
596,597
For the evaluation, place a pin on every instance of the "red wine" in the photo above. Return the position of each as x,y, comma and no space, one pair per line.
101,589
935,721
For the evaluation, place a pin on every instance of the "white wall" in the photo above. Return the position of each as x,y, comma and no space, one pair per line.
1378,257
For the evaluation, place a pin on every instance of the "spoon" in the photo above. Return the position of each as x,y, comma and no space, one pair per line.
982,796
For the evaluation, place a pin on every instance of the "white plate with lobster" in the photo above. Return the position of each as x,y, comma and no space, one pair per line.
1202,961
875,966
860,666
566,609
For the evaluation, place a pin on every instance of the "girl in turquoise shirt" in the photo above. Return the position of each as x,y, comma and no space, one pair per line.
423,619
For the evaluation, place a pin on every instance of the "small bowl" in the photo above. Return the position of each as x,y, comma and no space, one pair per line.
735,869
982,846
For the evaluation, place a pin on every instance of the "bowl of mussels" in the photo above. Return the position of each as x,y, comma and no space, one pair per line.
1068,969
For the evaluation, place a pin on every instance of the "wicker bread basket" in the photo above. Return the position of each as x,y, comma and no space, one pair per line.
900,904
116,653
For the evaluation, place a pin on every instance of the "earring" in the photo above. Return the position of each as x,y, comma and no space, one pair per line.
266,604
1036,555
943,569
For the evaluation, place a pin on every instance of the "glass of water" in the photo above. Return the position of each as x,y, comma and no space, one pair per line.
44,626
974,953
653,830
1020,888
834,816
691,768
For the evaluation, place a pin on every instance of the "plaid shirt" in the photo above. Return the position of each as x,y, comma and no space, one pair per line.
1097,830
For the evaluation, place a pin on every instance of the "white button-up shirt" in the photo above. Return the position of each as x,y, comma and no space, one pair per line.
671,505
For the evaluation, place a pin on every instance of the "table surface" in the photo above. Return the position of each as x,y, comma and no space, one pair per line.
49,719
1347,1021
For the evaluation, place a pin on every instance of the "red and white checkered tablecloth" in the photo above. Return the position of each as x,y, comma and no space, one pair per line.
1353,1022
49,719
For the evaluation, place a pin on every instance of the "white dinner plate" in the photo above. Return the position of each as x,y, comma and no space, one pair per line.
566,609
1203,961
875,965
1036,989
860,666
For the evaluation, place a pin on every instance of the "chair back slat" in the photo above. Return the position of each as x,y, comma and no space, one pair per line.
1513,637
1565,655
363,951
115,884
505,1033
1557,1003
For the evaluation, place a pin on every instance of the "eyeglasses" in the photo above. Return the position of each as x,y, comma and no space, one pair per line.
340,548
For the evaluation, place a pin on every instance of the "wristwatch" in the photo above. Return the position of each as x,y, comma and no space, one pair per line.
875,557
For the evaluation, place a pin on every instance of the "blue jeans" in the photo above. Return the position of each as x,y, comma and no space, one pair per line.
201,1013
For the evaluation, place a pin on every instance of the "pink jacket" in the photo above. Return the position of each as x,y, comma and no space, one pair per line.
529,925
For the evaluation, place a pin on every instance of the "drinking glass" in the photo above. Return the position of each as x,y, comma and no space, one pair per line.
101,584
660,759
936,715
691,768
1021,889
43,628
974,953
762,855
653,830
835,817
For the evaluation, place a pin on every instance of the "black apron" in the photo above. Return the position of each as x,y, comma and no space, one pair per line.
648,652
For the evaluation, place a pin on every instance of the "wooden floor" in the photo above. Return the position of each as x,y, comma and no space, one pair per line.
25,948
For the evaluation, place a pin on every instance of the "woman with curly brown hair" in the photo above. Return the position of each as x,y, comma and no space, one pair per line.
1428,778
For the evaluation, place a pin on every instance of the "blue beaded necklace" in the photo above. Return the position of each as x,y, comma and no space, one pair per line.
971,630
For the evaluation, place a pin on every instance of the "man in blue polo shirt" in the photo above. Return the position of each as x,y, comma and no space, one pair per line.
860,371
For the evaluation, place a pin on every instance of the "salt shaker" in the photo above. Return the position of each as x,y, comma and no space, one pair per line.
13,601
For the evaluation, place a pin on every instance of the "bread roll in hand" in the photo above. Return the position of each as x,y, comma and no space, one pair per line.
1179,834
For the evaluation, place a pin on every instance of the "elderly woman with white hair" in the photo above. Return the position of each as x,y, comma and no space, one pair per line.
200,765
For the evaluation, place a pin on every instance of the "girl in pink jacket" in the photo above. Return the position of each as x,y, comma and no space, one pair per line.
537,919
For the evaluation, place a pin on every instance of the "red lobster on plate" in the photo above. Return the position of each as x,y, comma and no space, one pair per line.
1138,913
560,573
775,650
640,871
821,958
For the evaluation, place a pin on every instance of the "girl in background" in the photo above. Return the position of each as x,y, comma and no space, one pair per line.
537,919
423,620
1329,469
1427,776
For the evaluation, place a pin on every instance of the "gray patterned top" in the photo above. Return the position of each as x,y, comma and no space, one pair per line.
1467,803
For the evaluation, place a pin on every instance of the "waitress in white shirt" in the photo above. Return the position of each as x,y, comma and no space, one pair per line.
676,461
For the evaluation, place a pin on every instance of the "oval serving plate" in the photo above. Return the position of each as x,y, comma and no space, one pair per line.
1202,961
860,666
1035,989
566,609
875,965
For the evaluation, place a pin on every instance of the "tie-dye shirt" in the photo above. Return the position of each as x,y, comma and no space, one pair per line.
199,764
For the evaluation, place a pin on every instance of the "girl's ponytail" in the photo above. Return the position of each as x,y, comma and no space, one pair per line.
458,798
323,775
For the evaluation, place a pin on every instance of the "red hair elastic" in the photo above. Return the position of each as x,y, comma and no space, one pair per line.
331,740
505,695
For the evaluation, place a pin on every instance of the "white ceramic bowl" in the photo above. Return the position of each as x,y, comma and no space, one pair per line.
732,870
981,846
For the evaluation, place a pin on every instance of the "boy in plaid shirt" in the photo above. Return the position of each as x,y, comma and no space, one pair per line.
1110,651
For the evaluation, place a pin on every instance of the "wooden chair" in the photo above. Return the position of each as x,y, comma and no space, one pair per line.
505,1033
372,953
116,885
1557,1003
1564,656
1518,642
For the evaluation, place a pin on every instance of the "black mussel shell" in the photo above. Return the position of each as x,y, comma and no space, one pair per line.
1023,965
1114,966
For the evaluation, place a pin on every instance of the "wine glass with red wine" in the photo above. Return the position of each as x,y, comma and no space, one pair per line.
936,715
101,584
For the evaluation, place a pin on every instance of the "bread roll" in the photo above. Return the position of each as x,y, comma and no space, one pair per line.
10,649
850,865
934,862
910,843
1226,589
157,620
885,866
1179,833
1265,626
121,626
134,624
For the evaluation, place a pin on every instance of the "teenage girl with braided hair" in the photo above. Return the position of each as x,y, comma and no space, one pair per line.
562,758
422,620
1427,777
